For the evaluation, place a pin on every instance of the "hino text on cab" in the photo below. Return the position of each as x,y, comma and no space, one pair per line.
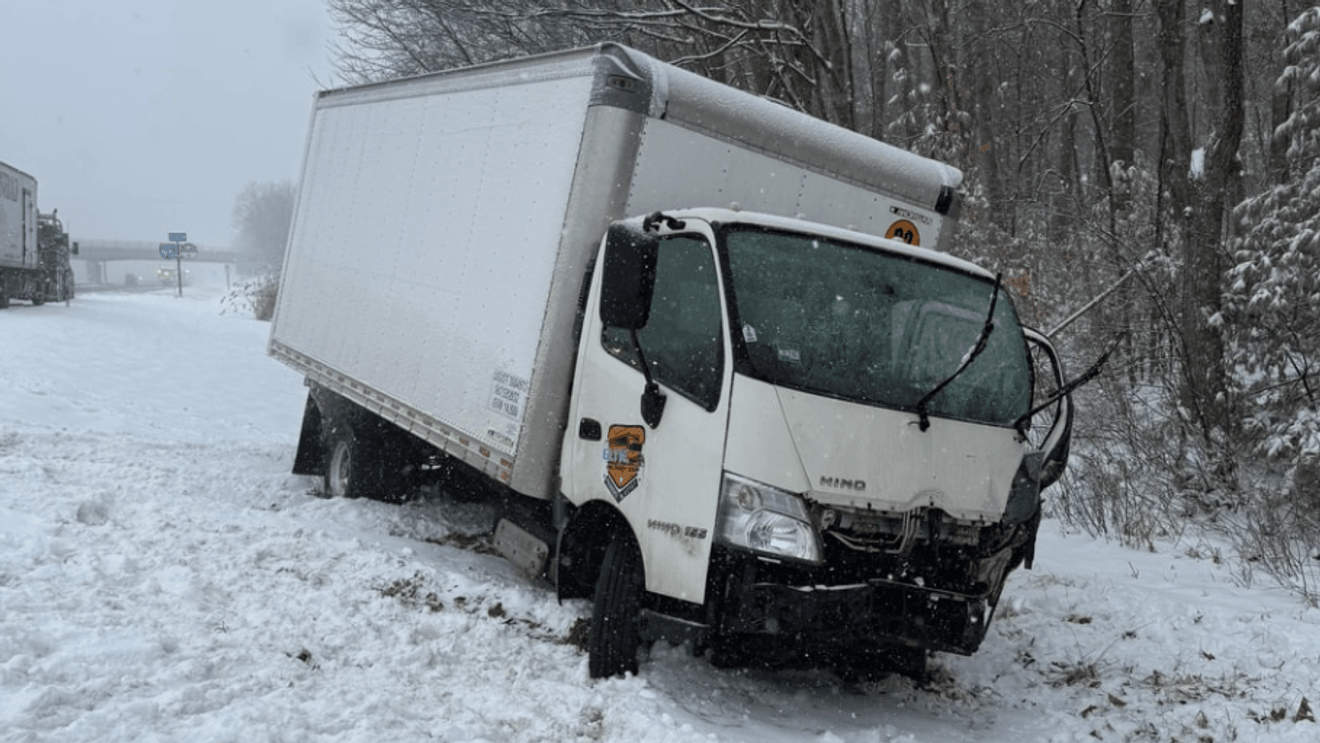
708,351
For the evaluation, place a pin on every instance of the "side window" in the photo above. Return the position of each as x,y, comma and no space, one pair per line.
682,342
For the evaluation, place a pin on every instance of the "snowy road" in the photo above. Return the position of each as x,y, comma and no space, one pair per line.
163,578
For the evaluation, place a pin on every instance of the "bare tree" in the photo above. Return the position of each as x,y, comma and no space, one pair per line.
1123,105
1205,251
263,214
383,39
797,51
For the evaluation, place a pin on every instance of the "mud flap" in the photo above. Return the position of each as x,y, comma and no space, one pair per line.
310,459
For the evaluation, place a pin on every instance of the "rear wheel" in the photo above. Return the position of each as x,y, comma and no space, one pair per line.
615,631
35,290
355,465
344,469
361,462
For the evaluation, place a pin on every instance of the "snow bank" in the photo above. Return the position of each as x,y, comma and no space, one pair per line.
163,577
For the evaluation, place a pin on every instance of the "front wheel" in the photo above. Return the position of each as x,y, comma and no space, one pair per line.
615,630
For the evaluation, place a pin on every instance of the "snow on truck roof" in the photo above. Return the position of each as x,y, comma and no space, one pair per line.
627,78
807,227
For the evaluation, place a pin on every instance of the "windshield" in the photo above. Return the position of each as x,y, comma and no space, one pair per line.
880,328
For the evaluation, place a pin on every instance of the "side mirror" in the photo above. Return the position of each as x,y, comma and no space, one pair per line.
653,404
628,277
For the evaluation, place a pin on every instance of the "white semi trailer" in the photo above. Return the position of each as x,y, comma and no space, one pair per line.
708,349
34,248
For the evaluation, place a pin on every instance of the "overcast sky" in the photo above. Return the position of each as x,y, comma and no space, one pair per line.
143,117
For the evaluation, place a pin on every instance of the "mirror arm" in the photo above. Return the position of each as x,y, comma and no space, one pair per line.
1070,387
653,400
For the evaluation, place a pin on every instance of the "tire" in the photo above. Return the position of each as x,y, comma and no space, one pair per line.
349,464
35,291
358,465
615,632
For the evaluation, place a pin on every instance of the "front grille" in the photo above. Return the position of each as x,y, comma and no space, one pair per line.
892,532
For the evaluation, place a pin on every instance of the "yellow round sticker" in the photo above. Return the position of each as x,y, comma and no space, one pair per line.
905,231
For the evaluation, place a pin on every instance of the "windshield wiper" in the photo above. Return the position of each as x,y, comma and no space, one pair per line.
981,341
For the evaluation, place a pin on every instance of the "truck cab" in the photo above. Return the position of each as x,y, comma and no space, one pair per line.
786,436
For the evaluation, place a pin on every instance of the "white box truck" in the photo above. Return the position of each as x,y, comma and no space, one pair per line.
706,348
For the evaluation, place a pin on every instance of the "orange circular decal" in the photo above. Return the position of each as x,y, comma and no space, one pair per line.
905,231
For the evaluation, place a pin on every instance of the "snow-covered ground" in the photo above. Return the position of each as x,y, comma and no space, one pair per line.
163,578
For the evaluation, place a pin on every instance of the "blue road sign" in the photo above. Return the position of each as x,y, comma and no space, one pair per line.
188,250
178,237
168,250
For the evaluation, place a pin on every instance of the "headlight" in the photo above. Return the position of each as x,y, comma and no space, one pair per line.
765,519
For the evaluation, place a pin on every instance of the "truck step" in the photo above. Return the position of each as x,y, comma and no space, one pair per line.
521,547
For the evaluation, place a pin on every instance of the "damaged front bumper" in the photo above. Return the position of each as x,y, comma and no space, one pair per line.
835,607
938,597
870,614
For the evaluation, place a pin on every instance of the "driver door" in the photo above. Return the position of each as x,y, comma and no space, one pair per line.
665,478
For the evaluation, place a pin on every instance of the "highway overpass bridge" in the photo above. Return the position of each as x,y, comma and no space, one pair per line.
97,255
146,250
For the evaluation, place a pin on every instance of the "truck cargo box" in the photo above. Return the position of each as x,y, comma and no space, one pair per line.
18,219
445,224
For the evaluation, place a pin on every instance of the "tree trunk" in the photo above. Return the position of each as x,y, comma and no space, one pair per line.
1175,134
1305,485
1122,94
1064,209
834,72
1205,255
983,147
1210,18
1280,109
